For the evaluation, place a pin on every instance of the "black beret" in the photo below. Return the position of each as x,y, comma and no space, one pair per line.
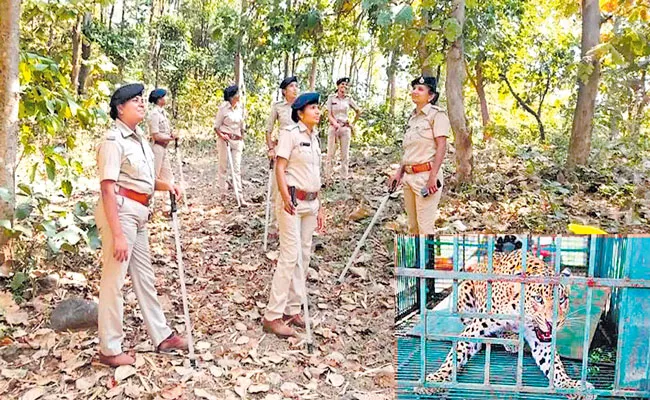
341,80
301,102
124,94
157,94
287,81
429,81
230,92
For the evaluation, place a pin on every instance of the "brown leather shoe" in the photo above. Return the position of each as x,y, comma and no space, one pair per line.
173,342
117,360
278,328
295,320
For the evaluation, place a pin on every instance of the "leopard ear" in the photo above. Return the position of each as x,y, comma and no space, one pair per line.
566,272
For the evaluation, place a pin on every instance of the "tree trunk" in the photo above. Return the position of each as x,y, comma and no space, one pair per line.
580,142
239,62
392,82
423,52
353,60
286,64
50,38
85,56
370,65
312,73
636,108
76,52
110,18
153,41
480,91
123,22
9,99
456,75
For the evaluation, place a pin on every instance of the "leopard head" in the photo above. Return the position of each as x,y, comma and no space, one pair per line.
538,305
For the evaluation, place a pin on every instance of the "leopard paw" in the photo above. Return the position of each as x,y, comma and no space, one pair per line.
576,384
510,348
425,391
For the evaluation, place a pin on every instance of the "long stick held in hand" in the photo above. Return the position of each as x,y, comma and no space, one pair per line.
366,233
179,160
268,205
181,274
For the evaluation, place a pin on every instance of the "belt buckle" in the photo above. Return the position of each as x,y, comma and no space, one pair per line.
408,169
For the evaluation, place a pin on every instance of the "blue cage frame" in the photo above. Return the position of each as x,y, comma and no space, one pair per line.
622,266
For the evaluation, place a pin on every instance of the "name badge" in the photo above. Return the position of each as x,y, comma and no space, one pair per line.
305,144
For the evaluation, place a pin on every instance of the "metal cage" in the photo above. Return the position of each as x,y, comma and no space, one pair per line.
616,266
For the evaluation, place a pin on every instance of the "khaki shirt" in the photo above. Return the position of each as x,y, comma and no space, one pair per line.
159,126
302,151
229,120
338,107
422,129
126,157
281,112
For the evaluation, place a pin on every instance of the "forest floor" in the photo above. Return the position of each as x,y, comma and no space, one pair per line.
229,277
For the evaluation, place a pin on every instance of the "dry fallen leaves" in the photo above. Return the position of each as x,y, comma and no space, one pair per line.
33,393
335,380
123,372
204,394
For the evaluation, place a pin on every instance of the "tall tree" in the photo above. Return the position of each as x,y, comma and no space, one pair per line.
456,75
76,51
580,143
9,98
84,70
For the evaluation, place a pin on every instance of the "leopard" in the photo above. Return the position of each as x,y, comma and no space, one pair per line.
538,316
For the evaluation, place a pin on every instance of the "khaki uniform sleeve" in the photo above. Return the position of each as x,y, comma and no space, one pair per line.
154,124
221,115
329,104
109,160
285,145
271,121
441,124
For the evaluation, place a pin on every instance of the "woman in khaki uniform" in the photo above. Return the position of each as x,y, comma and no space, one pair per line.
229,127
340,129
161,134
280,112
425,143
297,172
127,177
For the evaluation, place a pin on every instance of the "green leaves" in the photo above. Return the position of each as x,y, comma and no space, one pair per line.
66,187
384,18
5,195
50,168
404,16
23,210
368,4
452,29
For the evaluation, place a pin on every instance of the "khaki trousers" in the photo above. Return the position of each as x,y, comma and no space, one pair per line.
288,285
133,218
162,164
236,150
422,212
343,141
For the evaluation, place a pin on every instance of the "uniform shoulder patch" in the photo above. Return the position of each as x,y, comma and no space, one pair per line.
439,109
111,134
